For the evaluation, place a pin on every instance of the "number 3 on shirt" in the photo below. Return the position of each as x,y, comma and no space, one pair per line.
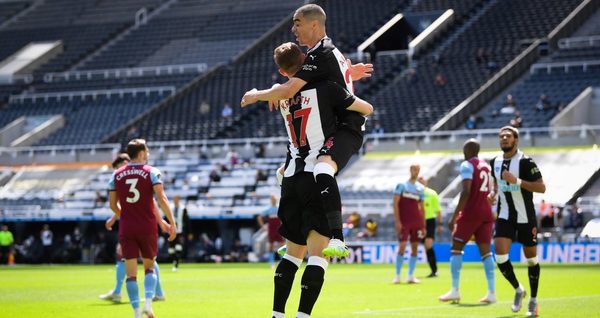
136,194
303,115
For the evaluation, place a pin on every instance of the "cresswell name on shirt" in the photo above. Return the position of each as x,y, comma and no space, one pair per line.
130,172
297,100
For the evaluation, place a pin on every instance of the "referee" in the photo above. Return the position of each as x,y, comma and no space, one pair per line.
517,177
6,241
433,210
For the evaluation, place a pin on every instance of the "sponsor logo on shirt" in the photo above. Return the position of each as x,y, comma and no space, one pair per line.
309,67
507,187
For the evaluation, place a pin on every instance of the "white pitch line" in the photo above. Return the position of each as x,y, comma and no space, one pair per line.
388,311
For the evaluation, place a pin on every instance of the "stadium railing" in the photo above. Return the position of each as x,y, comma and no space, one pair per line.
407,141
128,72
563,65
579,42
94,93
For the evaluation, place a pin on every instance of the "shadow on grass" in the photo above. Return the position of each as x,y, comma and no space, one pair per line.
472,305
106,304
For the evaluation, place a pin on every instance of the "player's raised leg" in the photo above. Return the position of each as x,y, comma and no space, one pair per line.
282,250
324,173
284,277
314,274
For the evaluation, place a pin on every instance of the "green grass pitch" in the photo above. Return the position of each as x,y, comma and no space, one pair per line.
245,290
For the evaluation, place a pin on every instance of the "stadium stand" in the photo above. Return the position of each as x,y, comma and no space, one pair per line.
560,77
83,113
365,17
9,9
210,188
44,183
559,87
82,26
182,121
100,82
227,46
415,102
194,32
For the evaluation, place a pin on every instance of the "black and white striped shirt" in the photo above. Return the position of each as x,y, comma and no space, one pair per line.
325,62
515,204
310,117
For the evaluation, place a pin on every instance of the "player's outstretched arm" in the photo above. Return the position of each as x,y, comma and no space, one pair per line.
275,93
113,199
361,106
360,70
163,202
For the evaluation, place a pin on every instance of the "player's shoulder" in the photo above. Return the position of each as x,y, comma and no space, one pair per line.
327,45
479,163
400,186
467,165
117,171
526,158
121,169
419,187
152,169
324,48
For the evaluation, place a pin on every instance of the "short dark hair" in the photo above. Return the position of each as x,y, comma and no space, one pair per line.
313,12
135,146
513,130
121,158
288,56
